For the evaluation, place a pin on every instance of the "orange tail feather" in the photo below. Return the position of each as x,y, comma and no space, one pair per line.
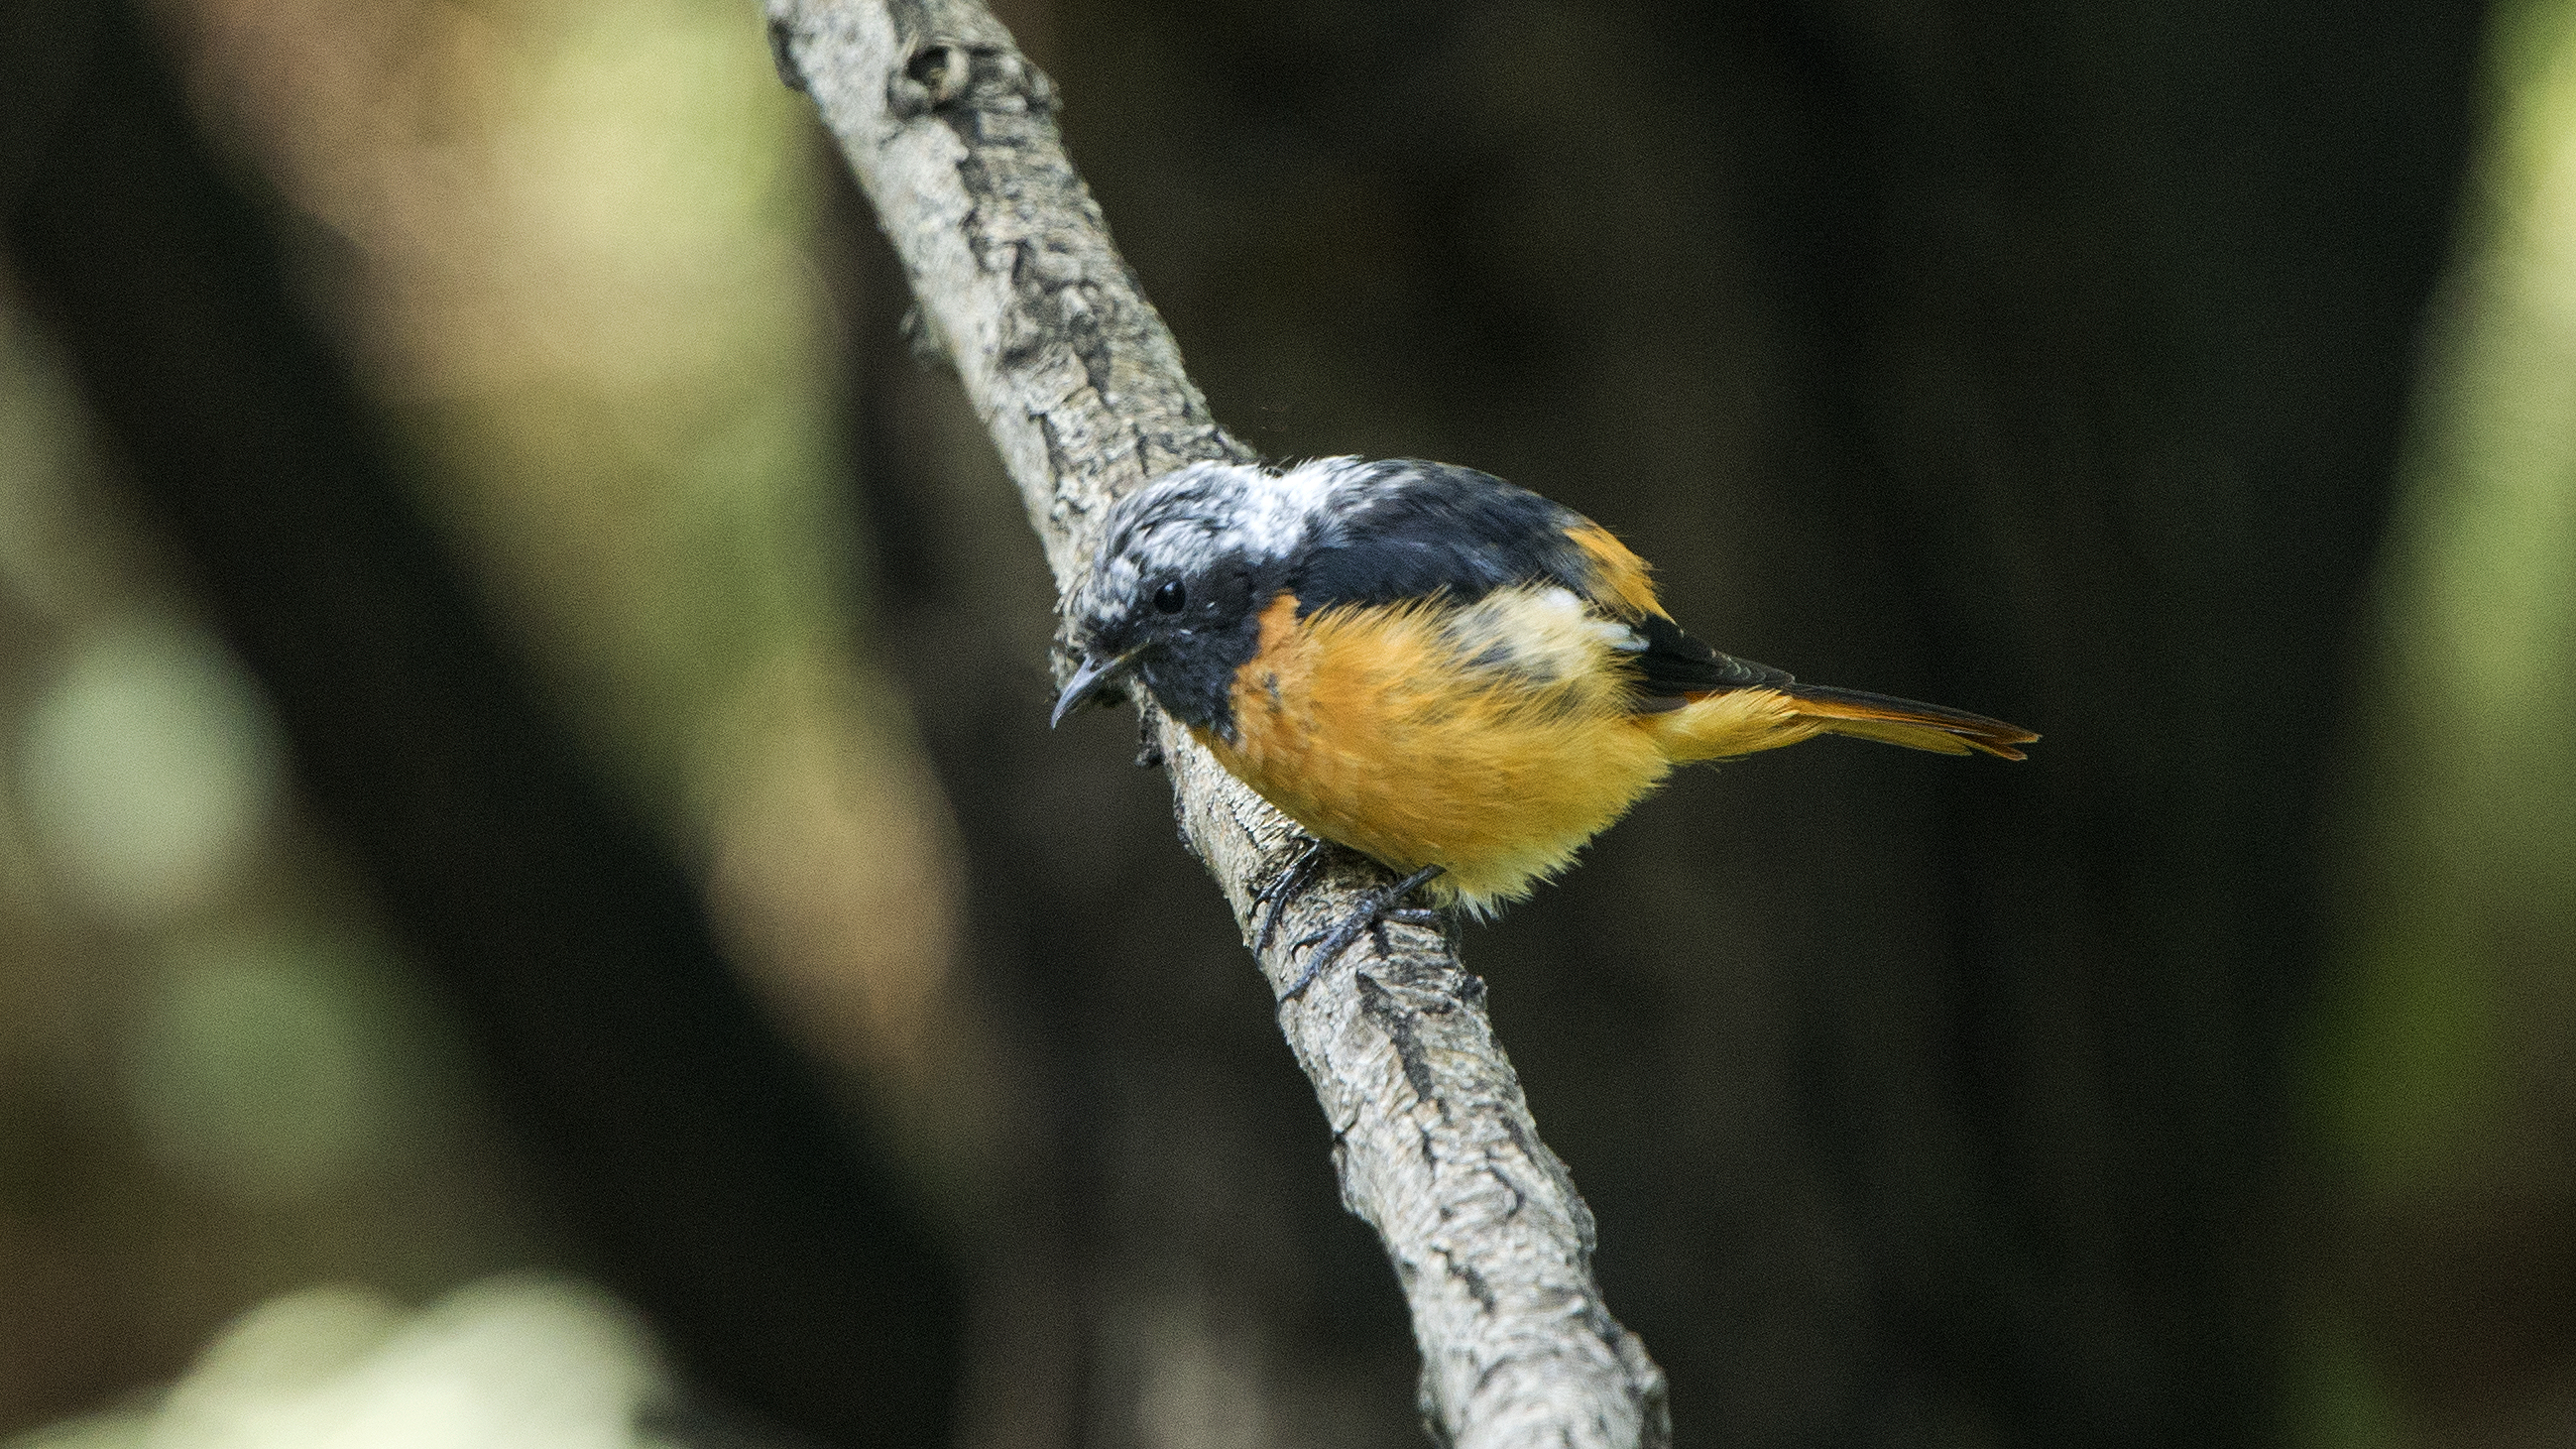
1906,722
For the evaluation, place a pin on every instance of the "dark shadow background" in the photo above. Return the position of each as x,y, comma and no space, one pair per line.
2046,361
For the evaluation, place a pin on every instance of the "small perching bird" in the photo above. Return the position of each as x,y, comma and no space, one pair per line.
1453,676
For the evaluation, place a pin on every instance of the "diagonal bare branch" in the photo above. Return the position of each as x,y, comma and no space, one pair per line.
952,135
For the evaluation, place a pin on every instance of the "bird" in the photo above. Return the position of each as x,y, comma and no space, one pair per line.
1451,675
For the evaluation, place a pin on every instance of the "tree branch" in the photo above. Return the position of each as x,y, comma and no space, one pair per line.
952,135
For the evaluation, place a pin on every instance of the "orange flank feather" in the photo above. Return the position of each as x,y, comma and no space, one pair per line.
1618,575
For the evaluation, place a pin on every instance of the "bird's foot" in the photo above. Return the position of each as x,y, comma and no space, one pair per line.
1376,911
1285,887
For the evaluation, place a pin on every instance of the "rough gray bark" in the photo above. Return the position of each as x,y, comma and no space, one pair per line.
952,136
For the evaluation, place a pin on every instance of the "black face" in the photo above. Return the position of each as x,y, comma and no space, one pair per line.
1185,634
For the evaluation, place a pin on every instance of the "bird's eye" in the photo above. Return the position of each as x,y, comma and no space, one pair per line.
1170,597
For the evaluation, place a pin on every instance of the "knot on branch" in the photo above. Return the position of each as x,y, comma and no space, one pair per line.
782,54
946,77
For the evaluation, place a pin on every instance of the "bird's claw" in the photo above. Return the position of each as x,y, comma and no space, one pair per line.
1286,886
1375,911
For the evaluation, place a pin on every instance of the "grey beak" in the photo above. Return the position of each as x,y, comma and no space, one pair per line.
1085,683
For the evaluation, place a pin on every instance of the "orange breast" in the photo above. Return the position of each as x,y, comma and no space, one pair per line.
1396,733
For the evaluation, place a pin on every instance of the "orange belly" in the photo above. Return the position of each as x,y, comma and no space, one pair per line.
1370,729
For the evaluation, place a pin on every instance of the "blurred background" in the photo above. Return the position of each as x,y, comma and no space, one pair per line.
537,905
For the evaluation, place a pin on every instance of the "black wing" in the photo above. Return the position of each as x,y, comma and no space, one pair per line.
1412,530
1674,664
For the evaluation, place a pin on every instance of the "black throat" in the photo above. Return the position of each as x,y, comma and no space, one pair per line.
1191,671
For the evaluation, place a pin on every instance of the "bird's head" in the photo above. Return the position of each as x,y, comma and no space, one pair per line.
1186,564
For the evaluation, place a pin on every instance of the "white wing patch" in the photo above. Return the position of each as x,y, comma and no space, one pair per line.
1543,634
